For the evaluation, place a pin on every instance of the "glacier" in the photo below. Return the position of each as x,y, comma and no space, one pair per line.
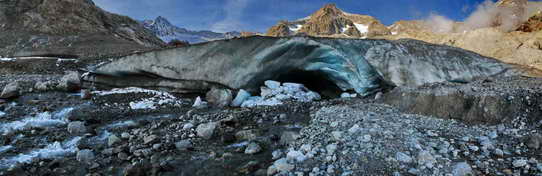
361,65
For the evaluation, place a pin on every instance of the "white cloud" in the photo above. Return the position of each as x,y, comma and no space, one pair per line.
232,20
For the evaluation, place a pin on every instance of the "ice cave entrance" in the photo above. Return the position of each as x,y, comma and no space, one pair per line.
313,80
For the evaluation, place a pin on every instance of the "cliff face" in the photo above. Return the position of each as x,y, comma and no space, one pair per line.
330,21
40,25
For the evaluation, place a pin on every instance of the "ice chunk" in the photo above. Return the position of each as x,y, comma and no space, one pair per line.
242,95
276,95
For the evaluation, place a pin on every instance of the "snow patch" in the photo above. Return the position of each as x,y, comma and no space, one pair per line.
296,28
51,151
344,29
275,96
42,120
363,29
394,33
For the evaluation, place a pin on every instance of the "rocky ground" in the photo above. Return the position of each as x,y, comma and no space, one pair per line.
53,128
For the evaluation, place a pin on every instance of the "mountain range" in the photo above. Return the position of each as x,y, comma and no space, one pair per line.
166,31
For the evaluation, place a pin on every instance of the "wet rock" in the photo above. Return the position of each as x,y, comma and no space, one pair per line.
112,140
206,130
533,141
219,97
242,95
11,90
150,139
86,94
462,169
200,104
77,127
253,148
183,145
70,82
85,156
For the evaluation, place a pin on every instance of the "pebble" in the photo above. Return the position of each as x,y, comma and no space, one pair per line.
150,139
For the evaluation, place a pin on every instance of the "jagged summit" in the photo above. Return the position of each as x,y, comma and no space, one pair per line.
166,31
330,21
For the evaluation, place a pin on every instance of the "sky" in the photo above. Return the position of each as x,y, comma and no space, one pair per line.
259,15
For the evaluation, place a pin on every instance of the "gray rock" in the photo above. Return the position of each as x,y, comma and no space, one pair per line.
77,127
402,157
247,134
44,86
150,139
183,145
11,90
85,156
219,97
253,148
188,126
280,165
378,95
206,130
242,95
533,141
499,152
426,159
519,163
288,137
70,82
462,169
122,156
112,140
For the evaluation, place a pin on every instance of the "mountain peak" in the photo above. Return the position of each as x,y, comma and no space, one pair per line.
329,10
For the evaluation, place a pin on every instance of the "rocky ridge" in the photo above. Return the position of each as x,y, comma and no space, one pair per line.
330,21
76,28
166,31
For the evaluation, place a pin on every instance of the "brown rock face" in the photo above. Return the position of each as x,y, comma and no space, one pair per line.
51,26
533,24
280,30
330,21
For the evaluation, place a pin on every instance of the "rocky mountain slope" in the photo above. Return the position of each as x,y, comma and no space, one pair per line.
166,31
330,21
508,30
68,27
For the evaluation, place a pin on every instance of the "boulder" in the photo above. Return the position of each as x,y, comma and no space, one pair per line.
70,82
219,97
206,130
11,90
77,127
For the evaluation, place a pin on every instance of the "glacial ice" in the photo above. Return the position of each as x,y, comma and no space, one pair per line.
363,66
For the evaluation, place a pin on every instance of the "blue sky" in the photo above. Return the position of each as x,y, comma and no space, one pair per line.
259,15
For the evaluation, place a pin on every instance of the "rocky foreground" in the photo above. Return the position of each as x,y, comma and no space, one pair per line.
51,127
